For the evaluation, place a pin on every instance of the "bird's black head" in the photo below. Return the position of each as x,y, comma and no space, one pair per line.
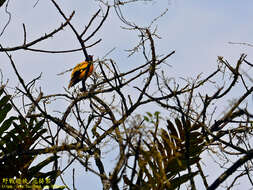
89,58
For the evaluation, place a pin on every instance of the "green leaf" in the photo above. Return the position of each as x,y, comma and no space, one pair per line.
162,152
6,124
4,111
167,143
194,151
23,125
146,118
196,126
11,142
35,169
19,130
194,142
2,148
37,126
52,174
4,100
39,134
157,114
171,128
2,2
176,182
1,90
149,114
180,128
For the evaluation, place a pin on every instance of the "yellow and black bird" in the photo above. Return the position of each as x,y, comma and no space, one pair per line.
81,72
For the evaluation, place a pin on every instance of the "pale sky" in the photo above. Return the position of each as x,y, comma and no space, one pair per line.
199,31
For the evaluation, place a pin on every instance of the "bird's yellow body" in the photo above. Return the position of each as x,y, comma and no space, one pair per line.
81,72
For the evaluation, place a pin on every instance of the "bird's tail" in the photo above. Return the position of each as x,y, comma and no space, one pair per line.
70,84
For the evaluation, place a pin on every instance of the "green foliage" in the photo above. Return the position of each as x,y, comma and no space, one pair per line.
166,155
2,2
152,118
18,137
